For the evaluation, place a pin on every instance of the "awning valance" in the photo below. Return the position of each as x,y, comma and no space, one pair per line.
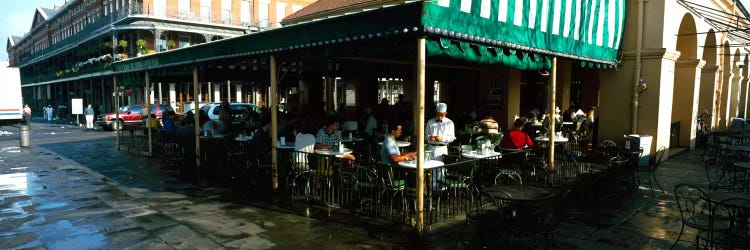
587,30
522,34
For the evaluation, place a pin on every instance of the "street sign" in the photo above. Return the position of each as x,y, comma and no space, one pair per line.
77,106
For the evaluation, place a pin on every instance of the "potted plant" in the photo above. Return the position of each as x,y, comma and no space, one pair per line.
141,43
171,43
122,44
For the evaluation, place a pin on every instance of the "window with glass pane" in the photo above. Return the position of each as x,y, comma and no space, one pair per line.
183,8
436,93
350,95
280,13
205,10
263,13
245,12
226,10
390,88
184,41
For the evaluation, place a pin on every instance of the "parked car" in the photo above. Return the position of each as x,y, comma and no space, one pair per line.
213,110
130,114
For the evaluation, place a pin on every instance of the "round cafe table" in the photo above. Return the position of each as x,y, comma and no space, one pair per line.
477,155
288,145
400,144
546,139
427,164
735,199
518,193
333,152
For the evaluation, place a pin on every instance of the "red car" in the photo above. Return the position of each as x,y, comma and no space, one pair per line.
130,114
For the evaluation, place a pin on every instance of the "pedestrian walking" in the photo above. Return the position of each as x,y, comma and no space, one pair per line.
49,113
89,113
26,113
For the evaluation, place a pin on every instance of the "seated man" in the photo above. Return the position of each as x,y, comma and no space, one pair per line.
488,125
329,135
390,153
216,127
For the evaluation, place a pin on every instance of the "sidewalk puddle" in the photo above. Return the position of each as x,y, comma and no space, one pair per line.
51,205
64,235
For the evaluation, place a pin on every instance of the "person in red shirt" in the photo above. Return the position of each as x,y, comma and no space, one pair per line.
516,138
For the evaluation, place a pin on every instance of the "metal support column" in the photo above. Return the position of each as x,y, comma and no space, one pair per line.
196,114
274,124
148,112
421,66
552,118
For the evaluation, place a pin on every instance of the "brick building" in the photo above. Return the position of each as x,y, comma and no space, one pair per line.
69,49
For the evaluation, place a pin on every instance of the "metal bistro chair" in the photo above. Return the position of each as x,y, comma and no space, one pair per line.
543,220
299,173
650,170
720,174
394,186
727,227
694,209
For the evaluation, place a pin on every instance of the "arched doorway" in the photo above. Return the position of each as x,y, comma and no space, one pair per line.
686,85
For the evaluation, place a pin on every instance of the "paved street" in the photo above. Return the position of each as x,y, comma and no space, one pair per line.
73,190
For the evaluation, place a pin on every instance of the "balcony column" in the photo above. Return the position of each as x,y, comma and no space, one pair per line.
238,92
173,95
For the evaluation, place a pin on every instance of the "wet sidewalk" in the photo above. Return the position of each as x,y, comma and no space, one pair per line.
76,191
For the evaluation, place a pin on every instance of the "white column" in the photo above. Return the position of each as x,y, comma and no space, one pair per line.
217,93
238,92
173,95
229,91
161,97
209,89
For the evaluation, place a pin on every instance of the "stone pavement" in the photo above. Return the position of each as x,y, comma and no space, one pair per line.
73,190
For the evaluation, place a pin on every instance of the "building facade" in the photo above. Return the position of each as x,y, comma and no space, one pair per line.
69,50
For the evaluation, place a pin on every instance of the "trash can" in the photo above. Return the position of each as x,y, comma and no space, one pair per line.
635,142
24,135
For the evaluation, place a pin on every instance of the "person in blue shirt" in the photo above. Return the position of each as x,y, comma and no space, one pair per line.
89,113
390,153
168,123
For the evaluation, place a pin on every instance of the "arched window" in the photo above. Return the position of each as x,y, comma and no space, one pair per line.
350,95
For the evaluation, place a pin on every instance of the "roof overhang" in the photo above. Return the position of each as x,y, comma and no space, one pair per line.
457,32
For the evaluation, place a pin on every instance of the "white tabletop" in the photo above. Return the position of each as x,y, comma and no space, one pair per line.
353,139
332,152
400,144
245,138
212,137
557,139
477,155
288,145
427,164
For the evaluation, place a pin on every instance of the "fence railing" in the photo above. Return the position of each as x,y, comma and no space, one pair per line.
365,187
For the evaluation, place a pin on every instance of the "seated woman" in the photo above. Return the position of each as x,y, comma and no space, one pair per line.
516,138
152,122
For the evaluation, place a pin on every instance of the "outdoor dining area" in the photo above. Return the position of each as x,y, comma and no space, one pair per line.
720,213
508,193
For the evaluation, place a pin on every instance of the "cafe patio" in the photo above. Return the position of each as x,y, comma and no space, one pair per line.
418,42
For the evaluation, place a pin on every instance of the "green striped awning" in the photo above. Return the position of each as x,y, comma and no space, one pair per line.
521,34
587,30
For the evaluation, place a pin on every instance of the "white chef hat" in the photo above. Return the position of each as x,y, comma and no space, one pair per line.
442,107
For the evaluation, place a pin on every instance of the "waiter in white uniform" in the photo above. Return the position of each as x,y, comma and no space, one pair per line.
440,131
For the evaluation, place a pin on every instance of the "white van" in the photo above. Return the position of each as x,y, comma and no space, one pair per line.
11,101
